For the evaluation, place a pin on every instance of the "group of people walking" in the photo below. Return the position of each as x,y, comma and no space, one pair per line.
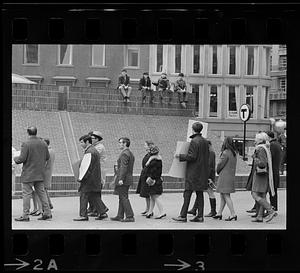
200,177
163,87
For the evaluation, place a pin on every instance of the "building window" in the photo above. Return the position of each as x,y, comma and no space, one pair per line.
282,85
266,102
178,58
282,62
249,98
195,90
65,54
159,58
132,56
31,54
98,55
213,101
196,59
214,60
250,61
232,60
232,101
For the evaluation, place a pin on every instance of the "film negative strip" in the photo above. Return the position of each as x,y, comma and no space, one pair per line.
224,54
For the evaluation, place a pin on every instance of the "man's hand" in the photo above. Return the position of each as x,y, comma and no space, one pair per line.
121,182
78,180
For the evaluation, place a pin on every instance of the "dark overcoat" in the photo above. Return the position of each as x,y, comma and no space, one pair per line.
90,181
125,164
34,154
197,170
276,160
154,170
142,179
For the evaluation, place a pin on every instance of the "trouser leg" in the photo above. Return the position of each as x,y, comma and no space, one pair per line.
200,202
186,201
48,197
40,190
26,194
274,200
213,205
84,198
125,201
95,199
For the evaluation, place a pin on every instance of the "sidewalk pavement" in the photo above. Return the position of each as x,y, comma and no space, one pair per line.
66,208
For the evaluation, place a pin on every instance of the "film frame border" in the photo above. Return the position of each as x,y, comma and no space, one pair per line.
246,25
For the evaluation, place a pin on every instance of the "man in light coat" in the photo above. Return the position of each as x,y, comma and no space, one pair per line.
197,173
34,155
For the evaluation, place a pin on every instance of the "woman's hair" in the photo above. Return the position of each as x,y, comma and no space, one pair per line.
149,143
261,138
228,144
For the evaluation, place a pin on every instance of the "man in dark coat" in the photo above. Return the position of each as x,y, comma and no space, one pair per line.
197,173
89,184
145,87
34,155
123,85
276,161
124,180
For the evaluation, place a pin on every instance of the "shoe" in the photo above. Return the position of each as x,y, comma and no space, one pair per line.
45,217
197,219
144,213
22,219
33,212
257,220
271,216
37,213
93,214
211,214
253,210
81,218
254,216
149,215
217,217
51,206
116,219
161,216
102,216
192,212
231,218
127,100
265,214
179,219
129,219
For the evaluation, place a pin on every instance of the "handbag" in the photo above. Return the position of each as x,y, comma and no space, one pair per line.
261,171
150,181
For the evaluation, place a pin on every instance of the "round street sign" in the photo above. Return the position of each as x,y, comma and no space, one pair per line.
245,112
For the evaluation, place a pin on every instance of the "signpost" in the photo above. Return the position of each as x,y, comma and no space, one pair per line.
245,113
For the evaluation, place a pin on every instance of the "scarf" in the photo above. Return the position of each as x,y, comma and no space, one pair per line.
158,157
269,157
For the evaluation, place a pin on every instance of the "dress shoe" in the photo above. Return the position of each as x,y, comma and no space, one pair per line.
251,210
211,214
129,219
217,217
102,216
197,219
149,215
81,219
160,216
45,217
93,214
37,213
257,220
231,218
193,212
265,214
254,216
116,219
33,212
51,206
144,213
271,216
179,219
22,219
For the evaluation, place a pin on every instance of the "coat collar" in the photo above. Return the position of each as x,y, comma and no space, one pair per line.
194,135
87,147
152,157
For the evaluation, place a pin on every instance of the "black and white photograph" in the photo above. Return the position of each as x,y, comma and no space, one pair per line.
149,136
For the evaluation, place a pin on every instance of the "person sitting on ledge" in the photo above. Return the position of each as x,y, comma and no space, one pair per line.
145,87
123,85
180,88
163,87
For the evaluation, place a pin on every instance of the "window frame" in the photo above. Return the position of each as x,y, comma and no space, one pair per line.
255,56
132,47
103,57
237,101
255,104
219,60
71,56
24,56
237,61
201,60
218,103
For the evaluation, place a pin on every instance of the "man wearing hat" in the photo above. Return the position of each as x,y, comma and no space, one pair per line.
145,87
180,88
163,87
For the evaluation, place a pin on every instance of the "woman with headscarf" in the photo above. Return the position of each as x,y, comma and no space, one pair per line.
142,188
261,177
154,182
226,169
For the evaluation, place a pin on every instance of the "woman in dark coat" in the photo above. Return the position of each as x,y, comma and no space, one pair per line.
142,186
226,169
153,174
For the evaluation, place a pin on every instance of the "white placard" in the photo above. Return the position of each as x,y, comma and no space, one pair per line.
190,130
178,168
84,165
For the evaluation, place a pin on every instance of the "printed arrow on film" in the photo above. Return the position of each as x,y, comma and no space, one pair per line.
21,265
182,266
